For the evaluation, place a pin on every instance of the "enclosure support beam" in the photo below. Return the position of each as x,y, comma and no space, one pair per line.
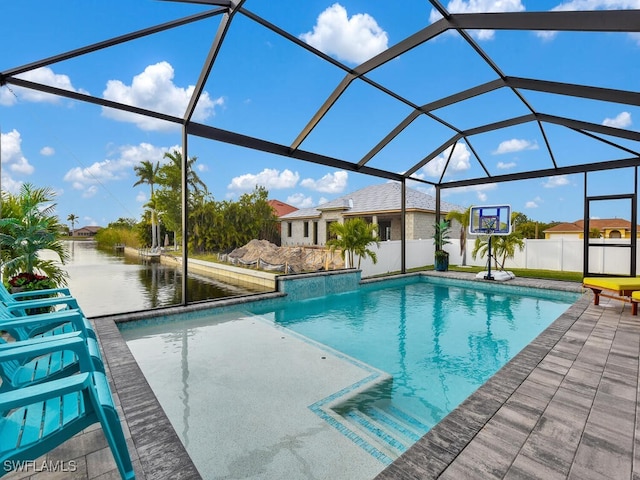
403,235
185,253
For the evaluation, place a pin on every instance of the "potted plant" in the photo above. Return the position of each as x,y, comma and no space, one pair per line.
441,238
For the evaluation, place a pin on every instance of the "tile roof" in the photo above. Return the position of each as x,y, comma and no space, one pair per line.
376,199
599,223
281,208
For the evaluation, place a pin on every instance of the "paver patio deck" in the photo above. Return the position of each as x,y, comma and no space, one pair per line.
564,407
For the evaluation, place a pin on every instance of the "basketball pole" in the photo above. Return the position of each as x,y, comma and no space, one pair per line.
488,276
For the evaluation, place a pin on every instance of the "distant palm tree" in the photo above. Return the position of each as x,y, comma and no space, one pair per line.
354,237
72,218
595,233
147,173
463,218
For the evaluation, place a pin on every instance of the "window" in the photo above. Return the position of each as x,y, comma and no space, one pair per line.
329,234
384,230
289,229
306,229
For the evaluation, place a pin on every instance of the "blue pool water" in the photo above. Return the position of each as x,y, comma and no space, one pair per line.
439,342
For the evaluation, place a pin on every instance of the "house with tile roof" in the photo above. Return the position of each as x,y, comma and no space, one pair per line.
281,208
608,227
378,204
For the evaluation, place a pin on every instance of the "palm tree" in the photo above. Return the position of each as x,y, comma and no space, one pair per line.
595,233
502,245
505,246
353,238
463,218
147,173
28,227
72,218
168,196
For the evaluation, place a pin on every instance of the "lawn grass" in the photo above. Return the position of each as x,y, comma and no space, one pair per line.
528,273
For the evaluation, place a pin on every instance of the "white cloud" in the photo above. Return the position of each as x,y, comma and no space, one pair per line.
573,5
479,6
47,151
535,203
12,157
578,5
141,197
459,161
154,89
11,185
117,168
82,178
506,165
514,145
479,190
300,200
330,183
623,120
6,97
201,167
557,181
90,192
43,75
354,39
270,178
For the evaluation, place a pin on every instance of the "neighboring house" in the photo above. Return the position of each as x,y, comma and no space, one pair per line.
608,228
281,208
378,204
89,231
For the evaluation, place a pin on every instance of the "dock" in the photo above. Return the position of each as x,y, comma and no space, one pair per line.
149,254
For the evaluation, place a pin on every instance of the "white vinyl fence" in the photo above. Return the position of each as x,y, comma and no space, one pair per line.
553,254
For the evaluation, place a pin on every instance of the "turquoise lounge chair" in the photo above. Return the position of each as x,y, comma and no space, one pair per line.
19,303
38,418
44,324
30,362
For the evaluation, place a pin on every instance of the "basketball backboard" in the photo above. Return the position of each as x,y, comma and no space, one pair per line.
490,220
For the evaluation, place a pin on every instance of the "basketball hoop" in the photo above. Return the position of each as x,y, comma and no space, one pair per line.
487,221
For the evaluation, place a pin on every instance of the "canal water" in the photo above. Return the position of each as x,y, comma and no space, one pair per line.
106,282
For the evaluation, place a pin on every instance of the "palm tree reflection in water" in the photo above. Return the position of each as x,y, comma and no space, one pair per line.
163,286
106,282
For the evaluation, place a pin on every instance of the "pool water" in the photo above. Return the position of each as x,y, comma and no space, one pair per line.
337,386
438,342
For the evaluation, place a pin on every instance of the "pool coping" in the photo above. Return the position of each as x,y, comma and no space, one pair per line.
161,453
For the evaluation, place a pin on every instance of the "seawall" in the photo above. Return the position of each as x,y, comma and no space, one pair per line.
226,273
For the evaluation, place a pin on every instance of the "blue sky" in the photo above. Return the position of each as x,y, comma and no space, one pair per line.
263,85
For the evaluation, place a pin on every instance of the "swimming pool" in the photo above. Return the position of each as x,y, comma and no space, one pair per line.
397,356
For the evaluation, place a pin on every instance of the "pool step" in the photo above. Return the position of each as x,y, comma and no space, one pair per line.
385,428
